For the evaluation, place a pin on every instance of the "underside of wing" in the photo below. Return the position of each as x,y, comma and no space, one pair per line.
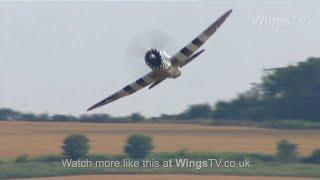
157,82
191,58
129,89
183,55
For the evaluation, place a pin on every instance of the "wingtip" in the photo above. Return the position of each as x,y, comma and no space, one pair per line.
92,107
229,12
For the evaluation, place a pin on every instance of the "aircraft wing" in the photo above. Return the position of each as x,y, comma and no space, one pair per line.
183,55
129,89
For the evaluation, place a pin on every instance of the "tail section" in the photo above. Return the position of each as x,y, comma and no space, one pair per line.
192,57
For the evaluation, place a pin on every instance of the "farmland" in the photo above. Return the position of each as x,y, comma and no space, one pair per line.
42,138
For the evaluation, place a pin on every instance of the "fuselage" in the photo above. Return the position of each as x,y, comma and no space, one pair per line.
159,61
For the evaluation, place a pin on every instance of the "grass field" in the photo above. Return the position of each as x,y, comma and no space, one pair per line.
40,138
165,177
43,169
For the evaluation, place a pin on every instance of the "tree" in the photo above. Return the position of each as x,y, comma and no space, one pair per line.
9,114
100,118
197,111
315,156
287,151
138,146
62,117
76,146
29,117
291,92
22,158
43,117
137,117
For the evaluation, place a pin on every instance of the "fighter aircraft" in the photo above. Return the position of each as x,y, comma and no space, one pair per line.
164,66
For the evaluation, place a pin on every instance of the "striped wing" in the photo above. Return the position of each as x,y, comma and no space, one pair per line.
129,89
183,55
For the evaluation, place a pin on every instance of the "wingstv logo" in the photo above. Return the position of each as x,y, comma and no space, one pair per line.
211,163
279,22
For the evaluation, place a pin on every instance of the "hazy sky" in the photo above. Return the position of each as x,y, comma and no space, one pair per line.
62,57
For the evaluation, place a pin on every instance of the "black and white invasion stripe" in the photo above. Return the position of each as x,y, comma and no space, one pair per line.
129,89
195,44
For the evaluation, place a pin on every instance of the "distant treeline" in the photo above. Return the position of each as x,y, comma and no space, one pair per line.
291,92
9,114
288,93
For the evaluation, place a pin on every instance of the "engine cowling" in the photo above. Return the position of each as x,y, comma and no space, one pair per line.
154,59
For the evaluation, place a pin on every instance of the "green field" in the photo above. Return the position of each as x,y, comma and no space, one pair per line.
260,165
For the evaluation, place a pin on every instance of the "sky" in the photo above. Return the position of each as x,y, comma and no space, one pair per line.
62,57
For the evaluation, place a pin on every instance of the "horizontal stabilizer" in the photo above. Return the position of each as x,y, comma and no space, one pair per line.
192,57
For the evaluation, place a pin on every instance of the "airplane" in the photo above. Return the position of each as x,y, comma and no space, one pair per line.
164,66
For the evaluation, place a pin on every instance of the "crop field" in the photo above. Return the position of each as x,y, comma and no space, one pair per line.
165,177
42,138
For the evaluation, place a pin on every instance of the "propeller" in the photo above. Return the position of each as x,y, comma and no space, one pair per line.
140,44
